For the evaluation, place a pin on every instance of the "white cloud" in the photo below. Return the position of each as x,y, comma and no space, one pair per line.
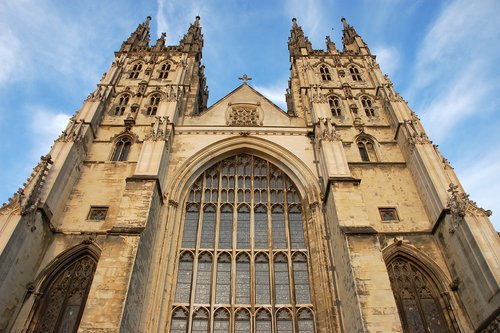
309,15
10,55
388,58
178,13
275,93
456,101
45,126
476,171
456,67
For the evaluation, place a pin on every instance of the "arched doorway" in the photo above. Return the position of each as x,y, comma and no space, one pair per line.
418,298
62,295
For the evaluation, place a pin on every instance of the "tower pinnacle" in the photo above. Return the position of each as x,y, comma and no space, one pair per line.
139,38
193,39
298,43
351,40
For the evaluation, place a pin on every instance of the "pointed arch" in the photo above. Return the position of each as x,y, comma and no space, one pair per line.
121,102
325,73
420,290
366,146
298,187
335,104
62,288
165,69
368,104
135,69
153,101
355,73
285,160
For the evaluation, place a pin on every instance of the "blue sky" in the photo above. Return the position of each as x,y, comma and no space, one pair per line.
441,56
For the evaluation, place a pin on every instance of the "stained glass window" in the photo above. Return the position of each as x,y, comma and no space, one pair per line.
242,224
221,321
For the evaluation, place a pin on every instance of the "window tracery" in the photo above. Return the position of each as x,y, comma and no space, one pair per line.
136,69
63,297
236,252
335,106
324,71
152,108
417,298
164,70
368,106
366,150
122,148
244,116
355,74
122,104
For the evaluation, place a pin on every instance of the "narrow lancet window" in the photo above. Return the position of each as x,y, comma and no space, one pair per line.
164,70
243,233
184,276
203,279
324,71
243,279
335,108
301,279
281,279
152,108
122,104
122,149
368,106
355,75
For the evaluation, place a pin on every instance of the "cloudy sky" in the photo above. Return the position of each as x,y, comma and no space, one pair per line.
441,56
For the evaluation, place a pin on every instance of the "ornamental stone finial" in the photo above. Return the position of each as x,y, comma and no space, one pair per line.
245,78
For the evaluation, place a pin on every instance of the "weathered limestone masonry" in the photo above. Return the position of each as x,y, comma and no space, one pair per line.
342,214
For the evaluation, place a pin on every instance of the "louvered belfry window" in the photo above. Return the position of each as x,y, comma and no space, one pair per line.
243,262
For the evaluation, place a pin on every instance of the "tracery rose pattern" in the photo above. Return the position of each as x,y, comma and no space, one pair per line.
244,116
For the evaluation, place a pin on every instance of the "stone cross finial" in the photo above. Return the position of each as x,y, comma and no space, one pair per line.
245,78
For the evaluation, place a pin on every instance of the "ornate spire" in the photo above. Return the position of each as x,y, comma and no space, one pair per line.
351,40
193,39
298,44
330,46
139,38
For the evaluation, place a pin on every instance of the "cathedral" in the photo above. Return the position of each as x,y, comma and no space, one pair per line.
155,212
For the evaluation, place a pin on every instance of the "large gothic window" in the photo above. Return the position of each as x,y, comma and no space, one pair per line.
243,262
417,298
63,296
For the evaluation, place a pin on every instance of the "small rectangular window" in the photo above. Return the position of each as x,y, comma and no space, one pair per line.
97,213
388,214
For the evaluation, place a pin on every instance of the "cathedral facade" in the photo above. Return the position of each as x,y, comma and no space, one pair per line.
156,213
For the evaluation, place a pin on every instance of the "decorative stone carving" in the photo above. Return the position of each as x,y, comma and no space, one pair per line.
459,205
100,94
72,132
415,134
317,95
171,93
159,129
27,198
244,116
347,90
326,129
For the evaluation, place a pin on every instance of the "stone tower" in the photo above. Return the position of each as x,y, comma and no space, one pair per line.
156,213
